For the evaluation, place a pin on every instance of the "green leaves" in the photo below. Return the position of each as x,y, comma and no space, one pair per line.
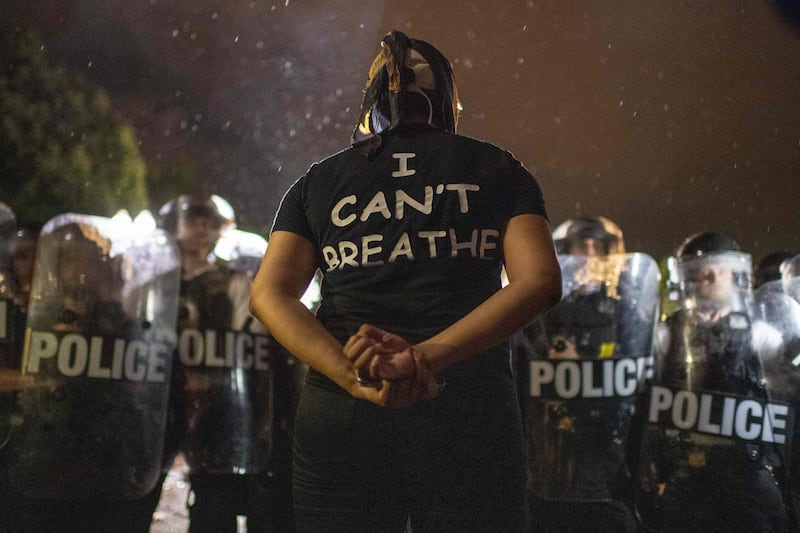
62,146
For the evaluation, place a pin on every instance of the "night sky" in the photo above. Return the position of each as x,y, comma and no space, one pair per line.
667,116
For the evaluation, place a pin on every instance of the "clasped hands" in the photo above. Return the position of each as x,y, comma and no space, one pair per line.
392,372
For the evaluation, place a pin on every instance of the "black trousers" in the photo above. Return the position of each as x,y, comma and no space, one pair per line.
456,463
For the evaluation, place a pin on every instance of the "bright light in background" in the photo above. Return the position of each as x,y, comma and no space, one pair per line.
312,295
236,243
119,231
243,250
144,223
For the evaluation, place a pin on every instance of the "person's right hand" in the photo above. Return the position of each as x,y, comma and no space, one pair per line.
403,376
396,361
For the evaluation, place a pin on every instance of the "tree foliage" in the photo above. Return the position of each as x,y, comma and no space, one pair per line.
62,147
168,180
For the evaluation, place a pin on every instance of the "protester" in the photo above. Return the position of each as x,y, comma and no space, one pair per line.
409,410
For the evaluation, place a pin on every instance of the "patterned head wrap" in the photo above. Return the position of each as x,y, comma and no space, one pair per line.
405,65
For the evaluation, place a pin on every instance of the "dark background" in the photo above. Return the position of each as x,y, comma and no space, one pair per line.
667,116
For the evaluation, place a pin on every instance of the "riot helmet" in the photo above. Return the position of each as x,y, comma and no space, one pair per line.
588,236
197,220
198,204
714,274
790,276
769,267
407,79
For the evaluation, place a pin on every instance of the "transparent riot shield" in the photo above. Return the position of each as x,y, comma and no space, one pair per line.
226,367
790,275
98,345
590,356
719,419
776,308
8,360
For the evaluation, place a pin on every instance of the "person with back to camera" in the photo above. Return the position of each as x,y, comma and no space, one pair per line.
409,412
708,468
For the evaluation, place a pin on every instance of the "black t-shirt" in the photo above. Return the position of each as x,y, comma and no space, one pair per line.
409,240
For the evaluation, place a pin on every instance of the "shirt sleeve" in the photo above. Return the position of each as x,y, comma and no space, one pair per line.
292,214
528,197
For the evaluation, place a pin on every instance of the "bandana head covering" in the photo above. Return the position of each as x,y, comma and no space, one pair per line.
405,65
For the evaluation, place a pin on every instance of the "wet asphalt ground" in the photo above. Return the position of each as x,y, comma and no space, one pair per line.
171,515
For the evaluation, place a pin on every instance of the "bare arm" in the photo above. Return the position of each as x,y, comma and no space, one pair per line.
285,272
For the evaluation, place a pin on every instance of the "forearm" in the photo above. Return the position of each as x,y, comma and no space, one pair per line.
504,313
299,331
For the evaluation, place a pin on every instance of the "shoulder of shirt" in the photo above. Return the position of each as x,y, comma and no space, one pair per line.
350,152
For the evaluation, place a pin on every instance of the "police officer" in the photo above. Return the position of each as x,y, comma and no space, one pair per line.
89,425
769,267
699,471
580,478
222,411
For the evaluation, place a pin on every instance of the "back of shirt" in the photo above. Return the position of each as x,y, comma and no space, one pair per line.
411,239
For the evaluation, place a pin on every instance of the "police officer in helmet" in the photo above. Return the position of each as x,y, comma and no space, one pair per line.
703,476
580,479
222,411
590,236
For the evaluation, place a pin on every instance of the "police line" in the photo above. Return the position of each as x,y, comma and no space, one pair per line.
596,378
116,358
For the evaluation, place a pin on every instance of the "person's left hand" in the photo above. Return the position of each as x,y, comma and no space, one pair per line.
400,393
387,358
396,361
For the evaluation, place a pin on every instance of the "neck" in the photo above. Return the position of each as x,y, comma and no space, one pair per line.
193,262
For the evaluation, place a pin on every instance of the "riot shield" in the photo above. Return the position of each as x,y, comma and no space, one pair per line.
225,371
242,250
98,346
590,356
718,422
790,274
8,360
782,374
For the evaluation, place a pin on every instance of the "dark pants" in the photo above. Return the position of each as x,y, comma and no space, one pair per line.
738,496
456,463
22,514
217,499
581,516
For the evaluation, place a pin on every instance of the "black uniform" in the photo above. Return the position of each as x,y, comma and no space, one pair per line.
219,429
716,482
590,480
